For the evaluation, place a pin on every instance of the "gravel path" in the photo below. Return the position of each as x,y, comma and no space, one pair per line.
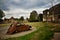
56,36
3,31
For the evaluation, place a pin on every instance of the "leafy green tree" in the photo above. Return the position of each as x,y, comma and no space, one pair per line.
40,17
27,19
1,14
22,18
33,16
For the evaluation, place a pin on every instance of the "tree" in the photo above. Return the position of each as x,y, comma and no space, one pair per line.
33,16
21,18
27,19
40,17
1,14
12,18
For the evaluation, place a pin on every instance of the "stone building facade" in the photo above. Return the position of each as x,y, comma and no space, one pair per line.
52,14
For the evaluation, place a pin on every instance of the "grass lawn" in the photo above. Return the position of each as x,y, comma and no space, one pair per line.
43,32
4,25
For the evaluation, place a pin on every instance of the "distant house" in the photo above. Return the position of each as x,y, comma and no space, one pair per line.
6,20
52,14
12,19
9,20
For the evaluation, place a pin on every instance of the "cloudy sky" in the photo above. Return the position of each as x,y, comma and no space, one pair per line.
18,8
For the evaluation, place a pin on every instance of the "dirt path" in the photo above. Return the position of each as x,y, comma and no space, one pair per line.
56,36
3,31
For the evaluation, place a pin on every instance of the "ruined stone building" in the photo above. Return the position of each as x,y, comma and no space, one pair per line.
52,14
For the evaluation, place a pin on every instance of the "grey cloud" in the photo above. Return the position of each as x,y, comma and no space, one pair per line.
9,5
25,4
3,5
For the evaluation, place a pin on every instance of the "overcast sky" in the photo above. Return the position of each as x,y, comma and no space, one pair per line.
18,8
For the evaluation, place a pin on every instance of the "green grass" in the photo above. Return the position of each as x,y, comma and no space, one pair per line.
43,32
35,24
26,37
4,25
46,33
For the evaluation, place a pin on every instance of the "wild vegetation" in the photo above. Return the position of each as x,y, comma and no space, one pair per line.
43,32
1,16
35,17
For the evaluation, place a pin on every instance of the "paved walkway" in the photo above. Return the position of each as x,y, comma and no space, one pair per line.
3,31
